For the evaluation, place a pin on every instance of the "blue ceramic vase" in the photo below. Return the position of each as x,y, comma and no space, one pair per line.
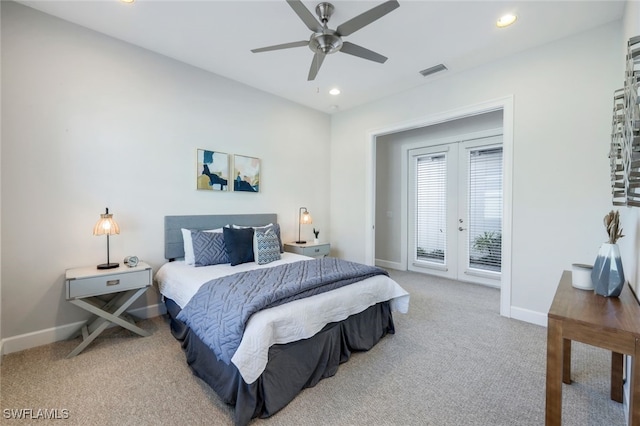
607,274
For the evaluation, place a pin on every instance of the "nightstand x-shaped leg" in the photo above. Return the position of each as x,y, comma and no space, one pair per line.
91,331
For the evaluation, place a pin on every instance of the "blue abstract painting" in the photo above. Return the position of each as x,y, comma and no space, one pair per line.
246,171
212,170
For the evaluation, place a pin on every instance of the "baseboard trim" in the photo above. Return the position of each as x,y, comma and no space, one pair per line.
63,332
529,316
390,265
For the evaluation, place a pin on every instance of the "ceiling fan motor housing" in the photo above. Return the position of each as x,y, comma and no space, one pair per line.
325,42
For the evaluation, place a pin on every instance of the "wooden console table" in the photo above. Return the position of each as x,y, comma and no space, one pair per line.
611,323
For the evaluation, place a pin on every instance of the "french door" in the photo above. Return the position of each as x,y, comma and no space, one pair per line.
455,210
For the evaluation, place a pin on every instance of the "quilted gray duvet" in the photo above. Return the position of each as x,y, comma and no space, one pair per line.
218,312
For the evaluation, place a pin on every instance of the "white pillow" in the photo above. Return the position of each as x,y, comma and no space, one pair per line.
189,256
254,227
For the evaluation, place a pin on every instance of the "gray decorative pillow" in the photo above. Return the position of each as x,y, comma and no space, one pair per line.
208,248
266,246
274,226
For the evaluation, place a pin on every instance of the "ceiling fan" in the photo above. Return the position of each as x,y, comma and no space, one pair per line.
325,41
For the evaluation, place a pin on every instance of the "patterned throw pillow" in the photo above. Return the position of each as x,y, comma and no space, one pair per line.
189,258
208,248
275,226
266,246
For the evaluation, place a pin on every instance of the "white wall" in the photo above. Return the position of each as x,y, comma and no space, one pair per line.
562,114
90,122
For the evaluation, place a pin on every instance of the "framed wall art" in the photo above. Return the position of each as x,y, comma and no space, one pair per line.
212,170
246,174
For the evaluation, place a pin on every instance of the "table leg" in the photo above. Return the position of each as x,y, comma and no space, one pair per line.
566,361
93,330
634,389
117,301
88,339
616,376
114,317
555,346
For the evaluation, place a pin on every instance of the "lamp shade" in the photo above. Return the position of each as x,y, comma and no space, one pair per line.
305,218
106,225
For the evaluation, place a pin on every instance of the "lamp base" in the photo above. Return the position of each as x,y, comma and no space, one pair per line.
301,242
108,265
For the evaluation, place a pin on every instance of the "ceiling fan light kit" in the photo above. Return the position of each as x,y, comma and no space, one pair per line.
325,41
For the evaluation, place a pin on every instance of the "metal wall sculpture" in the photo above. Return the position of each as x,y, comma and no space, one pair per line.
625,135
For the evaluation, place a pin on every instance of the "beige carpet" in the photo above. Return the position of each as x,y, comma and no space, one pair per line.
452,361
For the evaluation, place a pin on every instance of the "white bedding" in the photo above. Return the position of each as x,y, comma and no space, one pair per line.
286,323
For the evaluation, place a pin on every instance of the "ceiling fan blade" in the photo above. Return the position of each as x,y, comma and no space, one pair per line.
354,24
361,52
307,17
316,63
282,46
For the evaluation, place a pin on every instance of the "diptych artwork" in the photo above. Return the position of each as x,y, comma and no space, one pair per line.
246,174
212,170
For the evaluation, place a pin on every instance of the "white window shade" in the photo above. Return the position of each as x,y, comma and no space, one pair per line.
485,209
431,197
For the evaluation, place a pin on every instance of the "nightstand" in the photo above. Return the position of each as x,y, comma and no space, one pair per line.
309,249
86,288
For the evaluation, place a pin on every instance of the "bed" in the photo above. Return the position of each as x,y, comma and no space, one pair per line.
289,345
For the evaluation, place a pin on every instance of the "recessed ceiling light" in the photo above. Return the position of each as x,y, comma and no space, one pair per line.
127,1
506,20
335,91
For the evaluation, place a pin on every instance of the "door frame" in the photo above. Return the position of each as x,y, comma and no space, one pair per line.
506,105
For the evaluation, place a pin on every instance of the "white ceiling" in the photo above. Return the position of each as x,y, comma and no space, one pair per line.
218,35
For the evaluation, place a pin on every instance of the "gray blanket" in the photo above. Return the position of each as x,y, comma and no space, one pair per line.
219,310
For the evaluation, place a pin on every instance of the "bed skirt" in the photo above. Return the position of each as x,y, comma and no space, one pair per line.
291,367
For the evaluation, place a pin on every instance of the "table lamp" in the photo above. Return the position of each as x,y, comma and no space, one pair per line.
106,226
304,217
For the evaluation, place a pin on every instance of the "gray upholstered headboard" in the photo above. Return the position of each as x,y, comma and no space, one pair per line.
173,244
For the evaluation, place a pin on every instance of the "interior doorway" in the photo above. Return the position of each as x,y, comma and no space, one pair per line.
455,210
387,226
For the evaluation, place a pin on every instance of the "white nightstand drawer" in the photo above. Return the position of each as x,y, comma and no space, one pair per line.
107,283
319,250
309,249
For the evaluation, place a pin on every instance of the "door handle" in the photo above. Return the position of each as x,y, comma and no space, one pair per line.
460,228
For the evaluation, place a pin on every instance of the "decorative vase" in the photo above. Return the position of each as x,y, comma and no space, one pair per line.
316,241
607,274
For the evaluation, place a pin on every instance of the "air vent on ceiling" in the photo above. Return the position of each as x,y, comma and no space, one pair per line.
433,70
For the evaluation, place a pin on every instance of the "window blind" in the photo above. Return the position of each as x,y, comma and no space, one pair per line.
485,209
431,202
